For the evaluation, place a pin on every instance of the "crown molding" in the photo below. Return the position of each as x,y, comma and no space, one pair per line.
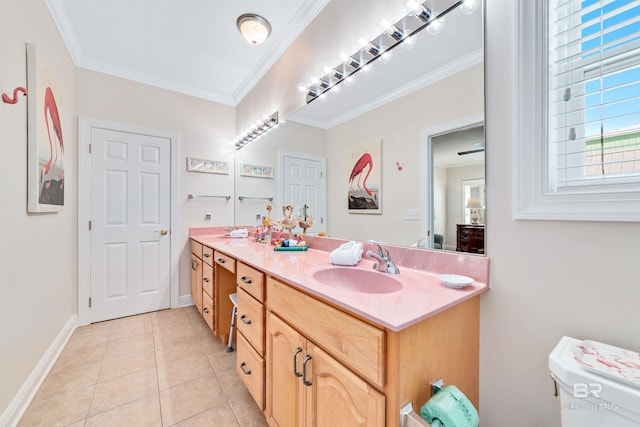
305,15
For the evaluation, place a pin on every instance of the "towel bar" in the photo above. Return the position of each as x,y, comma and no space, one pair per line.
409,418
195,196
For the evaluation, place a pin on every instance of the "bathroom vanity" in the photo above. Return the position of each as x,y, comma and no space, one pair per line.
324,345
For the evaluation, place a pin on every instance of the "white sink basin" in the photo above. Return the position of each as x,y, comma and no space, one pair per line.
357,280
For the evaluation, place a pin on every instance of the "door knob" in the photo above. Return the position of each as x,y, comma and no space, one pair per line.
162,232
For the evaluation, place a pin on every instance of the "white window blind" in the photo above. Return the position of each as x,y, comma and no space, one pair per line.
593,102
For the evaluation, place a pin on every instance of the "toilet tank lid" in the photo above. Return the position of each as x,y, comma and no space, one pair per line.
568,367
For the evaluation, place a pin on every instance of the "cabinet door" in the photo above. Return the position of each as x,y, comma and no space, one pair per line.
285,391
337,397
196,282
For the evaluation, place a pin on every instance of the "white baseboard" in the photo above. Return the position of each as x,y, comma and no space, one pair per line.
185,301
12,414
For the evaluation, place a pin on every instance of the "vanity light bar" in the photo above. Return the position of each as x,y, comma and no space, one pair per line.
411,24
257,131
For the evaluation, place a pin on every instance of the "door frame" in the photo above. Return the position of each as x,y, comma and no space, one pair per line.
323,191
426,166
85,124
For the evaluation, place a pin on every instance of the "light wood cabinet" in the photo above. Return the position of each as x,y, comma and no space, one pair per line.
196,281
336,396
251,329
251,280
250,367
284,387
356,372
350,340
308,387
251,320
208,310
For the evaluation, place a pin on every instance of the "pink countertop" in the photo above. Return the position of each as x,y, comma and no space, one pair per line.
422,294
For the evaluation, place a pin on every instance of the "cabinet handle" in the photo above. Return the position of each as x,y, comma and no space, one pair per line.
305,381
295,362
205,309
220,260
206,255
205,279
244,279
242,365
245,320
193,264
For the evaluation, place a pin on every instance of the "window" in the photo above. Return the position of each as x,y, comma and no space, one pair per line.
578,142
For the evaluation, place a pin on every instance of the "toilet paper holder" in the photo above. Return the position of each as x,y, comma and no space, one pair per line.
409,418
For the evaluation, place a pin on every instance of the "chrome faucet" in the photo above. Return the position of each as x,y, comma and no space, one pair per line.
384,262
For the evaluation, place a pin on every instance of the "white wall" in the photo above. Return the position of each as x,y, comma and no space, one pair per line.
548,279
206,131
440,202
398,124
37,251
290,136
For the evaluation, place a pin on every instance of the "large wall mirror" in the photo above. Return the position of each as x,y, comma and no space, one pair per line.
420,117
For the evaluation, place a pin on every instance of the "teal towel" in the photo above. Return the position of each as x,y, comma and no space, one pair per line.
449,407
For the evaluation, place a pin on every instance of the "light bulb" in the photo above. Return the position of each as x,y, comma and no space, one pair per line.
436,26
469,6
366,68
350,80
386,57
409,42
412,5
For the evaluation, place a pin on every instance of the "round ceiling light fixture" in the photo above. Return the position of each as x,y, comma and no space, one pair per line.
254,28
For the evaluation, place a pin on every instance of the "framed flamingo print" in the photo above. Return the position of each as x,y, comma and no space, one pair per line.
365,178
45,154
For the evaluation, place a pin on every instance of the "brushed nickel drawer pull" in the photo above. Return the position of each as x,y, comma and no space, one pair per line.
305,381
206,279
245,320
205,309
295,362
244,279
220,260
242,365
206,255
193,264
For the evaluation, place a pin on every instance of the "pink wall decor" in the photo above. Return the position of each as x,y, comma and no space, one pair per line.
7,100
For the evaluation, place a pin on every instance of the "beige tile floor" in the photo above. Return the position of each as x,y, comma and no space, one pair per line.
157,369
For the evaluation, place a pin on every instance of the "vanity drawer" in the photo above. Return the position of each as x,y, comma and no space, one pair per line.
251,280
207,255
207,310
251,320
355,343
196,248
225,261
250,367
207,279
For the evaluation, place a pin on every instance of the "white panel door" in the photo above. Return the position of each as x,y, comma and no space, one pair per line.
130,216
304,184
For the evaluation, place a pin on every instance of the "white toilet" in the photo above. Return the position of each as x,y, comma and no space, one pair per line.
598,385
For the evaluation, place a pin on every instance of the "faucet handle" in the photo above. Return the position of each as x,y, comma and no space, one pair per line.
383,252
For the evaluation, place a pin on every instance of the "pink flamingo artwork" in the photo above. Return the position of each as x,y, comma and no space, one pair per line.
52,173
358,169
